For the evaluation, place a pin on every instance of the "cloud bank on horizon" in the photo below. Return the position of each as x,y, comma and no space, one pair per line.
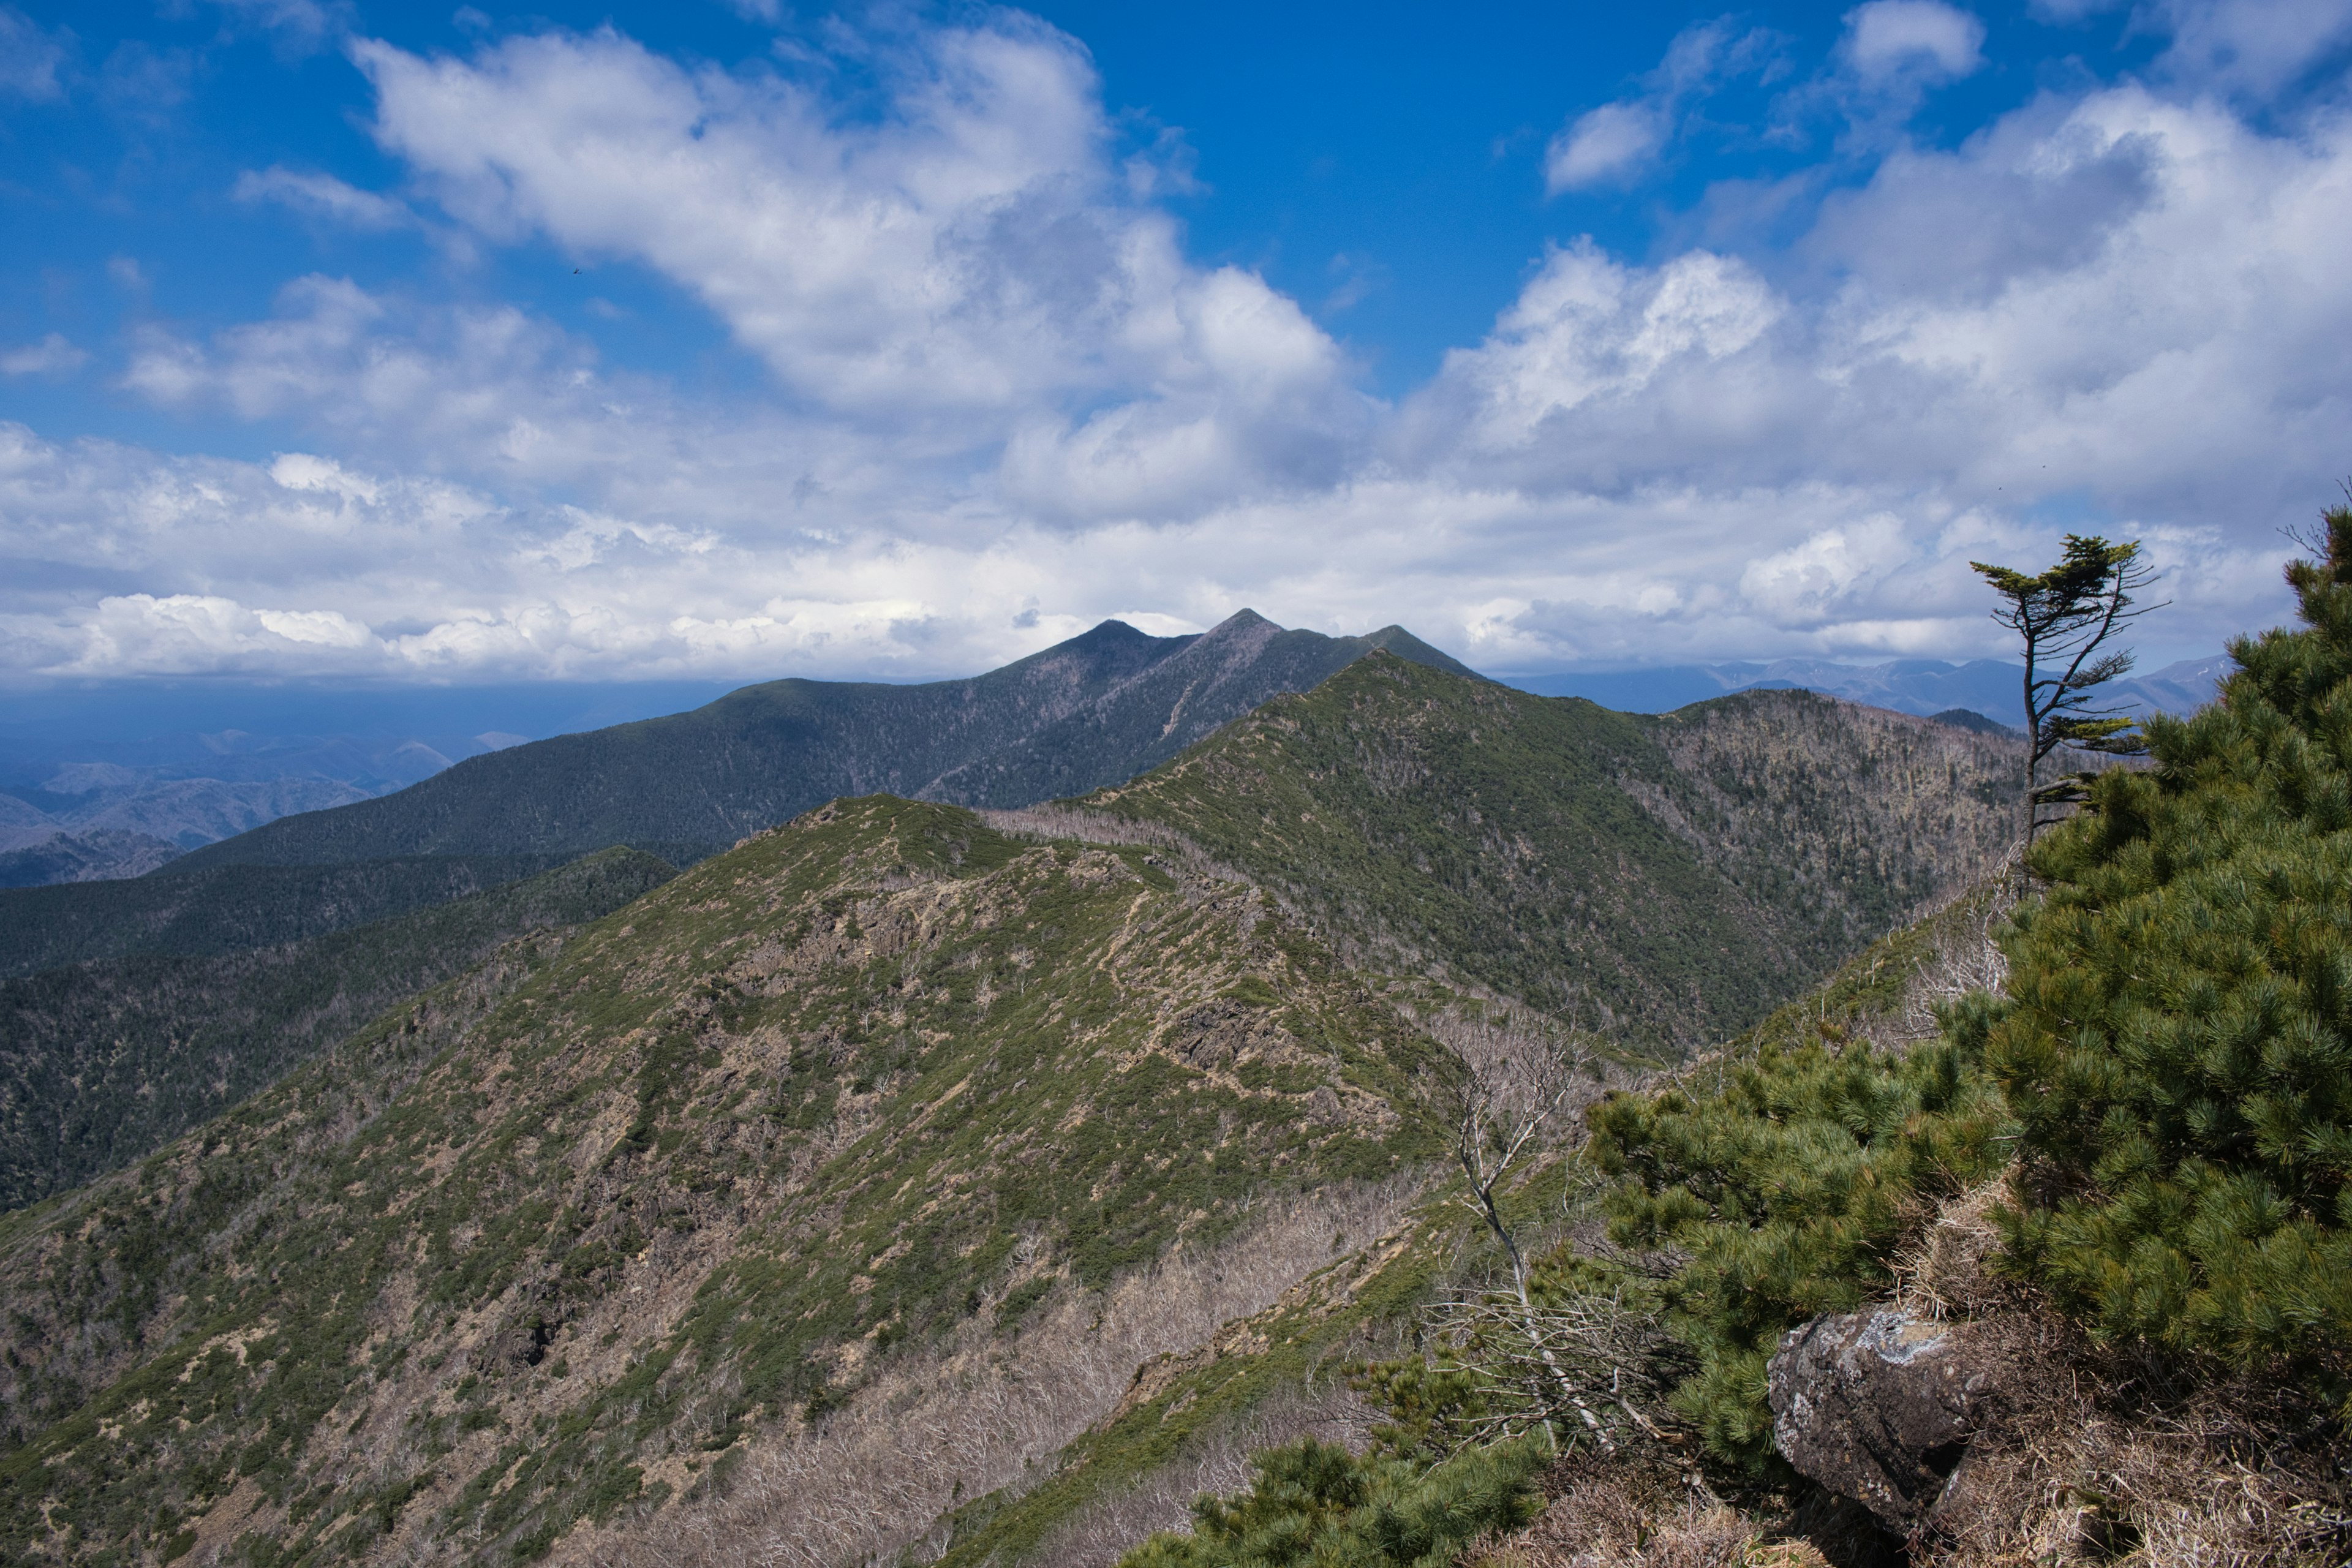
989,397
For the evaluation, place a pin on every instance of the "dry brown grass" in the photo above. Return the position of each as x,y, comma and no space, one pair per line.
1624,1515
2111,1453
928,1432
2105,1457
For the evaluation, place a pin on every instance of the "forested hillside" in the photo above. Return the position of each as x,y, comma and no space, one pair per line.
580,1235
2028,1238
104,1060
1659,880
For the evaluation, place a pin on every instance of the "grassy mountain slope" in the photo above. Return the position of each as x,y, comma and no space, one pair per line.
1665,880
103,1061
1098,708
545,1248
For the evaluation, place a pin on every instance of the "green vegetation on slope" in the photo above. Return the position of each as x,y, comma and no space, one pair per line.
527,1251
103,1061
2170,1070
1663,880
1314,1502
2180,1050
193,911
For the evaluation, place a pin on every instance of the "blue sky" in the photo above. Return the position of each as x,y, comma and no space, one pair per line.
350,341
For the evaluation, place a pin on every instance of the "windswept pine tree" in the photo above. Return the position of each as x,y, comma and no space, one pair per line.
2179,1053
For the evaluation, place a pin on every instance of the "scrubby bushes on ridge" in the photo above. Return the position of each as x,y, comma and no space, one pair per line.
2179,1052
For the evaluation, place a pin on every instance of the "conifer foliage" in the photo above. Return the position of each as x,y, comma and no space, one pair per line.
1316,1503
1787,1183
2178,1049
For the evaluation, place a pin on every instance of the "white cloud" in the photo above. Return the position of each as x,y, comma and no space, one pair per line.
1619,141
2249,46
30,58
1915,38
967,251
2115,310
53,354
1605,145
322,195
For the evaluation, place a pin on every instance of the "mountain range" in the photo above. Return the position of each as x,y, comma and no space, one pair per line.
107,783
919,1178
1092,710
1990,688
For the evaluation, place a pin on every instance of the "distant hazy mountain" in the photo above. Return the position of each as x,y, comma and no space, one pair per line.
1926,686
1093,710
98,856
111,780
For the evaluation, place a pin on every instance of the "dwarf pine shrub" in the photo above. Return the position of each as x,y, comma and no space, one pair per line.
2178,1047
1315,1503
1787,1183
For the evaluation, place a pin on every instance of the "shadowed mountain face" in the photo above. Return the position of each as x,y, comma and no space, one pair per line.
102,1061
1093,710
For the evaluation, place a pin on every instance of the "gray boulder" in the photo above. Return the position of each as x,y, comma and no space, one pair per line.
1879,1406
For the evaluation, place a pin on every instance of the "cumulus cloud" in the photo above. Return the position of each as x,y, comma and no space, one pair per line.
975,264
965,251
2109,309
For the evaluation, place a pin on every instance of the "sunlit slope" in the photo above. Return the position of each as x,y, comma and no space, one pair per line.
545,1247
1666,880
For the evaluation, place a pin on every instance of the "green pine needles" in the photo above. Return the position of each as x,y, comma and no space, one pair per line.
1788,1187
1316,1503
2170,1073
2179,1048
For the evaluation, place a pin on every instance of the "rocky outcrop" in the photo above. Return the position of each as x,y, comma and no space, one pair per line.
1879,1406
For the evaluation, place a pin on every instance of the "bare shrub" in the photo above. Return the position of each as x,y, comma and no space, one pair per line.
977,1414
1596,1365
1964,957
